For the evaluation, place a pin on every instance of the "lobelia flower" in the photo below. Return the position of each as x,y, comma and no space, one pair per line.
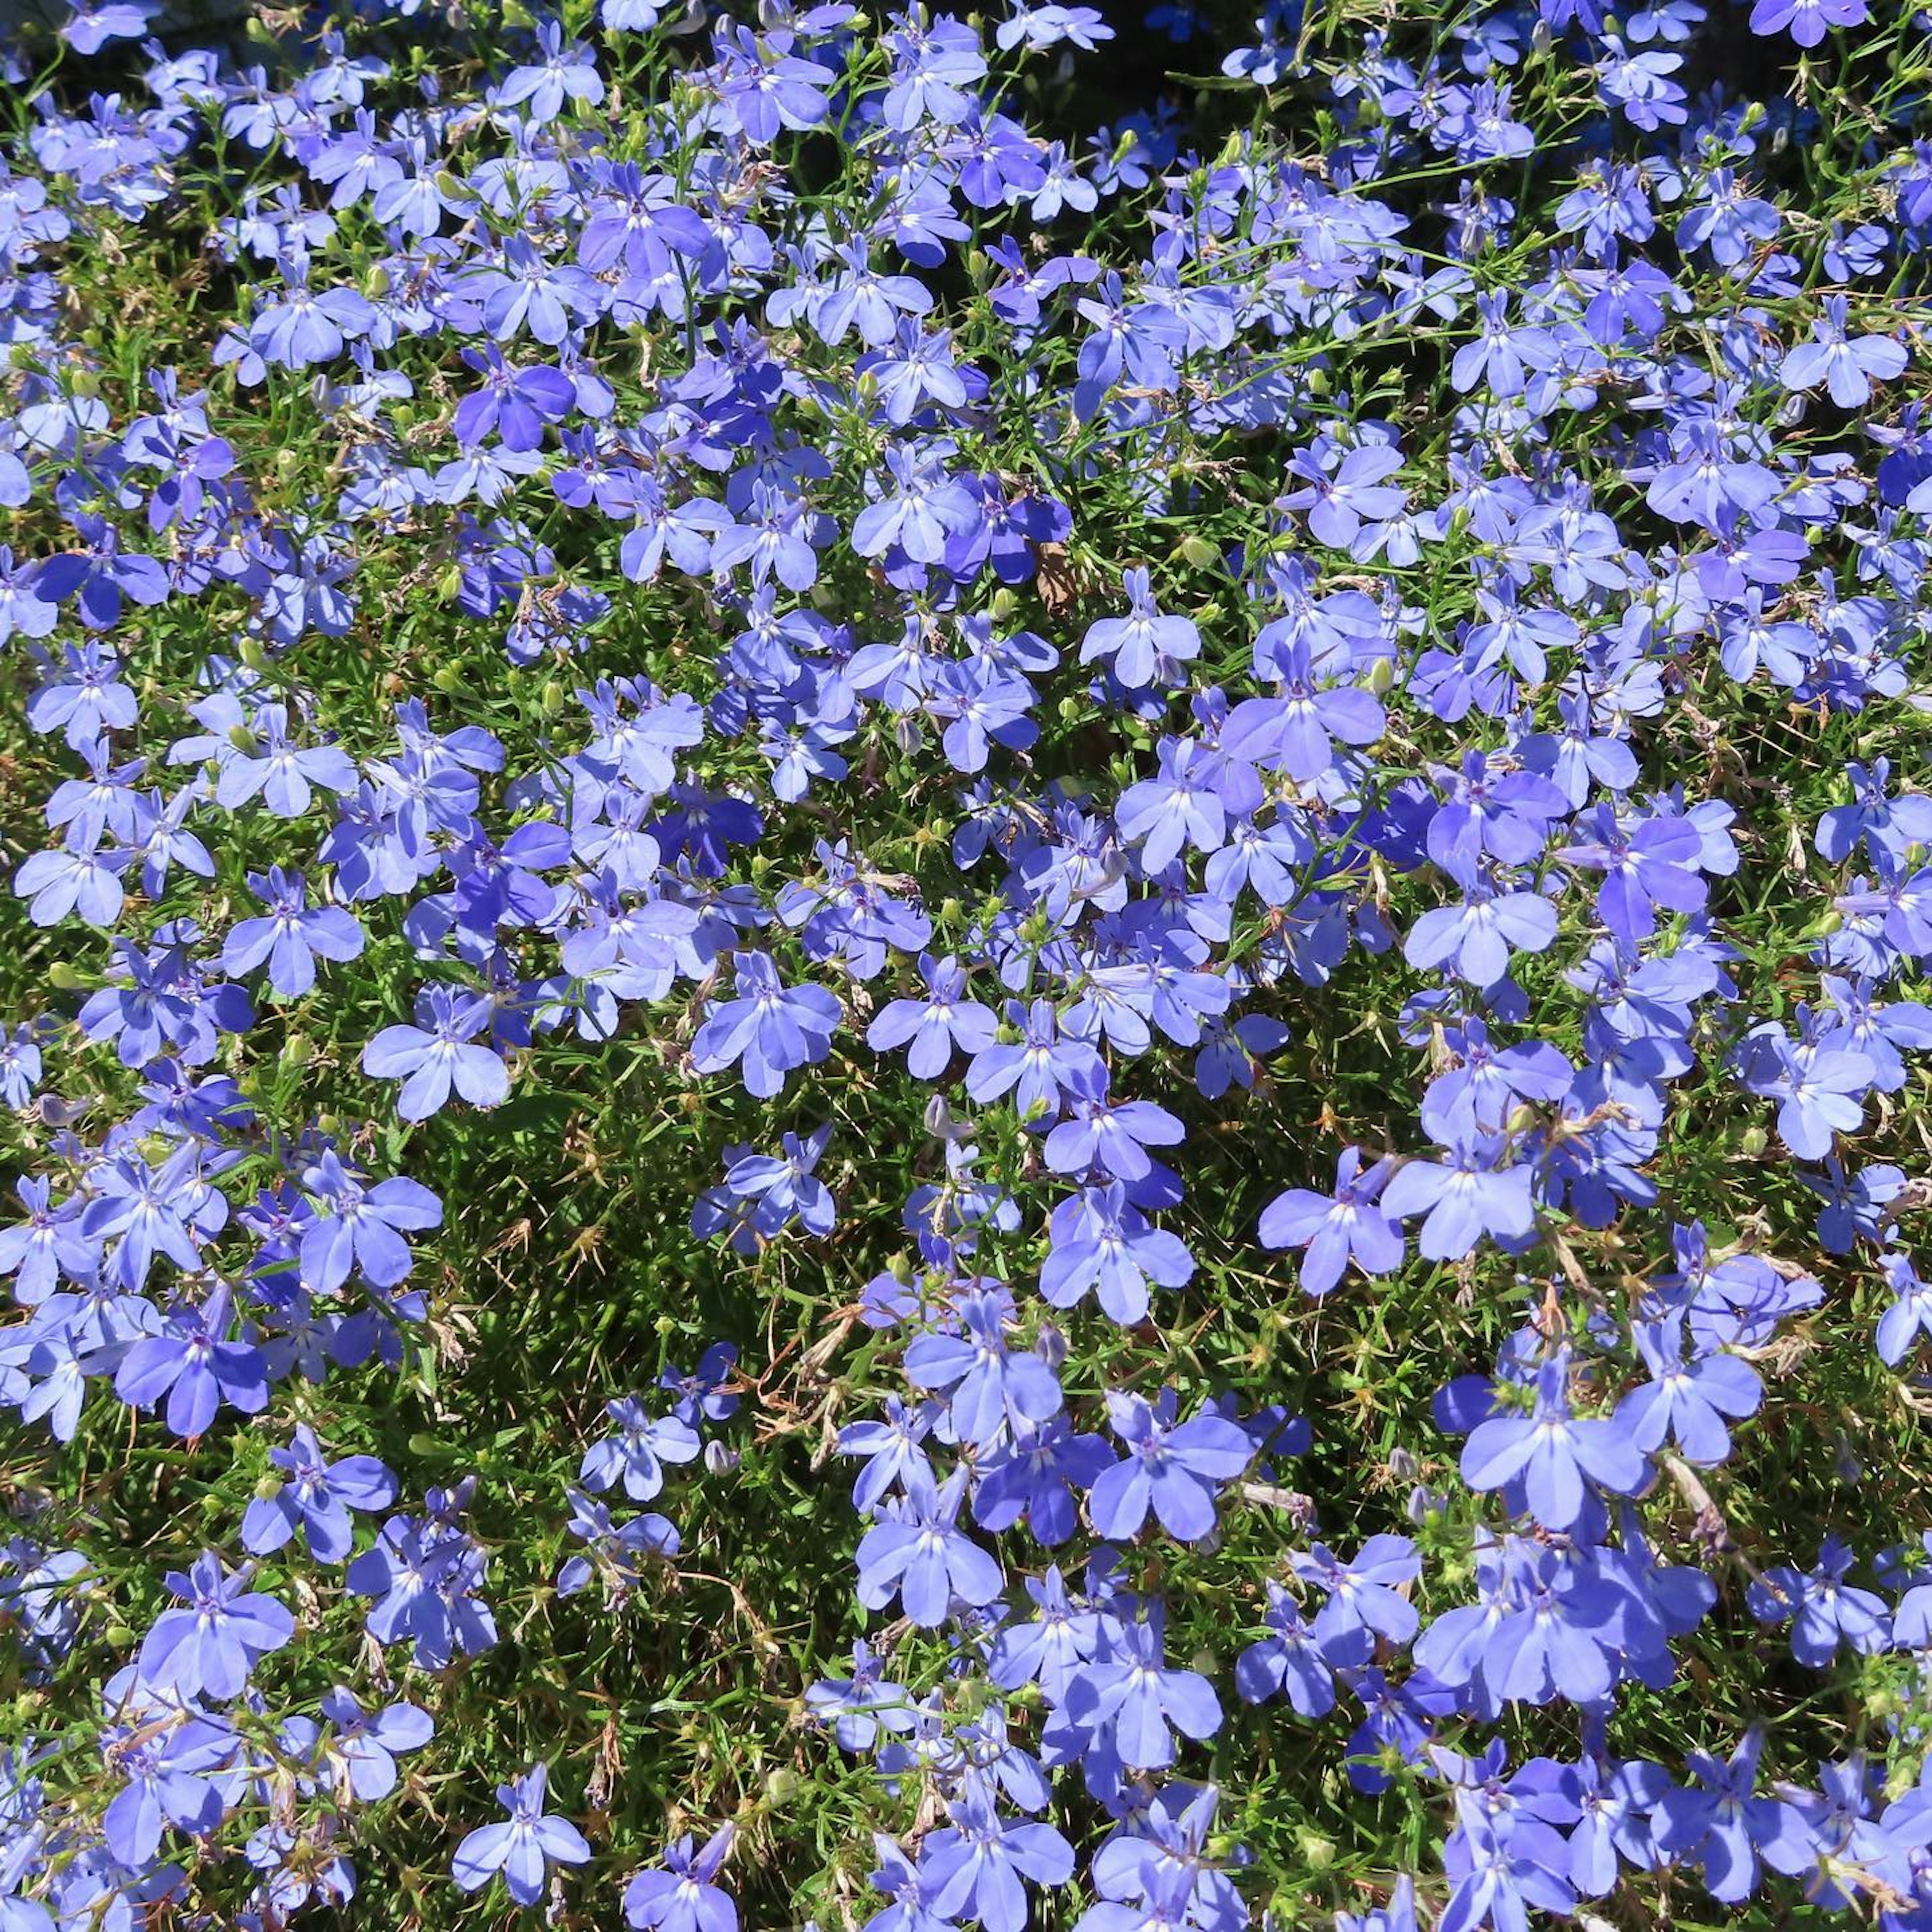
292,937
358,1227
1807,21
1040,1476
56,883
523,1848
1501,1865
192,1362
768,1030
361,1747
1910,1315
316,1499
976,1865
1646,863
83,697
209,1649
1102,1241
1476,1192
425,1576
38,1251
1555,1454
684,1896
1112,1136
565,72
615,1547
1687,1402
1847,365
1546,1639
1176,1469
637,1454
1361,1600
921,1556
1295,732
1138,645
705,1394
174,1769
1482,1093
860,1706
911,1893
1820,1089
1824,1611
994,1389
1478,934
1287,1660
1181,808
282,773
438,1054
20,1066
1722,1826
891,1449
1830,1838
1127,1685
763,1194
937,1025
1339,499
1334,1229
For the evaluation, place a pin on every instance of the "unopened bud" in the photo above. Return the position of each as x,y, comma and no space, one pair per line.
1317,1853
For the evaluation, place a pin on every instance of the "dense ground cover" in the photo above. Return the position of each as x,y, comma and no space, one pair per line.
965,970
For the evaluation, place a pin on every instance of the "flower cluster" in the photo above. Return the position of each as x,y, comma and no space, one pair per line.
1295,714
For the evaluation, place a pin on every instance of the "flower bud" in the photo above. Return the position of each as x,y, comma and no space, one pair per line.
720,1459
1317,1853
